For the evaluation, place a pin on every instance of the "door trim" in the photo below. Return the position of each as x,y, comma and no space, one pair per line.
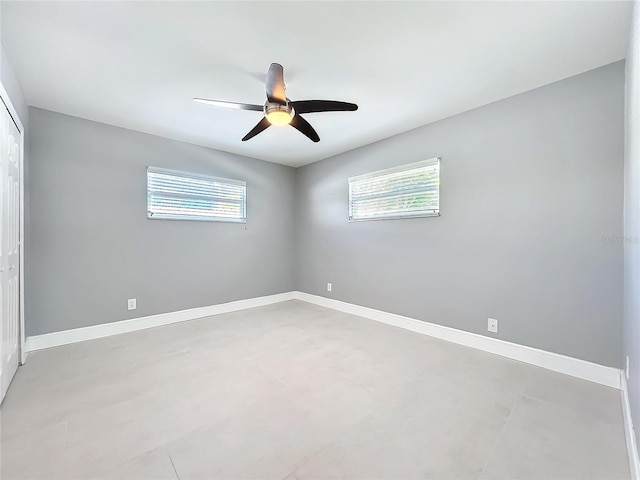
4,96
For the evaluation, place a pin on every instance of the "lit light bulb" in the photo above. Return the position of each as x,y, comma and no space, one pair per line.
279,117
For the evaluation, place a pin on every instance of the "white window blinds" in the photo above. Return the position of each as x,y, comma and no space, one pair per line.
407,191
186,196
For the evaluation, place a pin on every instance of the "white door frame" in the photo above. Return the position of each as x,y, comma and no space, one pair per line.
4,96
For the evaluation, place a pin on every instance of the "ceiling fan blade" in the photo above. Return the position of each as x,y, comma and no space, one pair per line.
260,127
304,127
238,106
275,84
312,106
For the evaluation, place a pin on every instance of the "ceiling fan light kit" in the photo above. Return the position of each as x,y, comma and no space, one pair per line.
279,110
279,114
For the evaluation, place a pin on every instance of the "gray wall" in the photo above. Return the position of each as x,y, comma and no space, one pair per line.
529,187
530,231
92,246
631,327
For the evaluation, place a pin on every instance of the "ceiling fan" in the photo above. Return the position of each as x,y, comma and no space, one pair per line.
279,110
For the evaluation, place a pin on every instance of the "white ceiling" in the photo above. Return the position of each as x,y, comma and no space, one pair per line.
138,64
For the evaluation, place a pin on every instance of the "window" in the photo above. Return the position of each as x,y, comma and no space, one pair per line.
188,196
407,191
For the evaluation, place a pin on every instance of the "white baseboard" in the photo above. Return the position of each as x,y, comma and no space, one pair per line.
611,377
632,447
48,340
552,361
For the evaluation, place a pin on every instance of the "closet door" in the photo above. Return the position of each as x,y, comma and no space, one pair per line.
10,165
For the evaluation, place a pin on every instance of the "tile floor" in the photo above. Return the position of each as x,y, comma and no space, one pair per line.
295,391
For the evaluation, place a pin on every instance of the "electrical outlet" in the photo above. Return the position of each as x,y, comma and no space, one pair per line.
492,325
626,370
328,287
131,304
